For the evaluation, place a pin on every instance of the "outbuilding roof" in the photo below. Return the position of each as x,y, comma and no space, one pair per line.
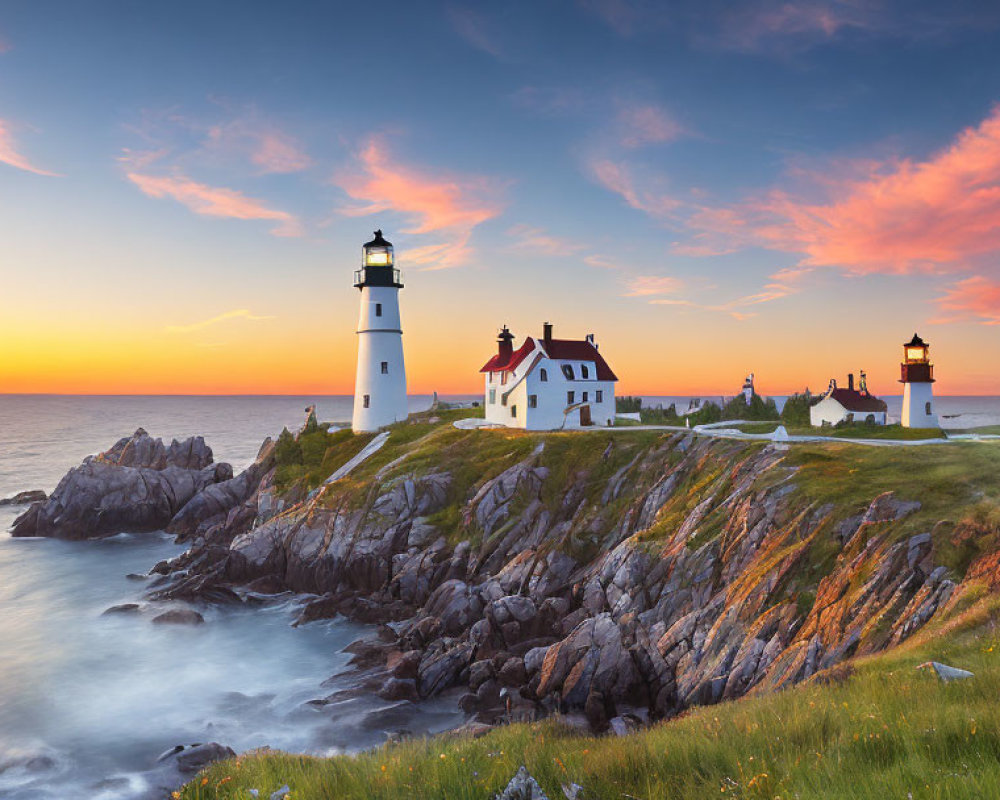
853,400
557,350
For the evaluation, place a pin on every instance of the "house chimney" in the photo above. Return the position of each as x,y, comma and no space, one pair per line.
590,338
505,342
547,333
850,381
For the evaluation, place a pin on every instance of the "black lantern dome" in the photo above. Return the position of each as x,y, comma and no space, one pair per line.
916,366
377,264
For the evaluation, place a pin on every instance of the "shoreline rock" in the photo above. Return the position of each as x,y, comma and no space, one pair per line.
25,498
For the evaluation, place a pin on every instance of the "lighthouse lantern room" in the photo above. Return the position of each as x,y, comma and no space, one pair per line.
380,386
917,377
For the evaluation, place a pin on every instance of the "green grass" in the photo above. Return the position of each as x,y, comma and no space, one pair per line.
885,730
898,432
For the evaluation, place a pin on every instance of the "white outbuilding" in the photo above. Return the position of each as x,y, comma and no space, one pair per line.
548,383
848,405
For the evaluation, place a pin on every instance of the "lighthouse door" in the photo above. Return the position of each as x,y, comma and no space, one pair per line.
585,416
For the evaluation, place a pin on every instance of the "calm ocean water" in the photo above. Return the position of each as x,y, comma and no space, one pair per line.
88,702
86,698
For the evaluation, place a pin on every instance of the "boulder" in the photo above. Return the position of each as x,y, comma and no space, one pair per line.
179,616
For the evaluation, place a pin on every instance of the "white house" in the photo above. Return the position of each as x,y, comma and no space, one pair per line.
549,384
848,405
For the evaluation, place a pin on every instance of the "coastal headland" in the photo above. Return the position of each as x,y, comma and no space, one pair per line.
616,584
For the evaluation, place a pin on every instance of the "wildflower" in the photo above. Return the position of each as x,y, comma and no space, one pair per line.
443,756
204,781
383,768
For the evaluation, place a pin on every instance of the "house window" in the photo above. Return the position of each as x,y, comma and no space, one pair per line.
600,396
570,397
385,367
513,411
585,397
584,371
568,371
503,378
532,401
378,309
927,409
503,399
493,397
367,401
543,375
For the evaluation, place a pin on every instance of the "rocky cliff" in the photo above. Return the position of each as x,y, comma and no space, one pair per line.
624,575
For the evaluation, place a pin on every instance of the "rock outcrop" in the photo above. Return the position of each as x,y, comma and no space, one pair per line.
139,485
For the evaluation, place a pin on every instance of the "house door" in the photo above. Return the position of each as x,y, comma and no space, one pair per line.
585,416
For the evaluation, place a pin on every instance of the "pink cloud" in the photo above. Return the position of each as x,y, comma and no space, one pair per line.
734,308
753,27
602,262
646,124
536,240
649,285
10,155
446,205
270,149
937,215
211,201
639,194
975,299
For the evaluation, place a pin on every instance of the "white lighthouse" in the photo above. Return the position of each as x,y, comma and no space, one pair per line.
917,377
380,387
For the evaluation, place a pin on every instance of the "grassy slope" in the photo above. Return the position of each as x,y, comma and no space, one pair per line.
886,731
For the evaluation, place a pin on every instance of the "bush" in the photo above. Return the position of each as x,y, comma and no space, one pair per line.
660,415
796,410
628,404
287,450
759,410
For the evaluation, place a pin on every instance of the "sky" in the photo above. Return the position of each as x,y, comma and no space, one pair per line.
711,188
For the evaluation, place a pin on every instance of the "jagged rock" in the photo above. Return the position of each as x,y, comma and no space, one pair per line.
522,787
25,498
591,658
137,486
219,499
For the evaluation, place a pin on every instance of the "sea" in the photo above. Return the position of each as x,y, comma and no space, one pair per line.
88,702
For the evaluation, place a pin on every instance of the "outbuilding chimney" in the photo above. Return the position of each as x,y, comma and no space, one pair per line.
850,381
547,333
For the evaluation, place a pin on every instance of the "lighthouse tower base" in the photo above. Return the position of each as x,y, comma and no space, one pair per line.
918,406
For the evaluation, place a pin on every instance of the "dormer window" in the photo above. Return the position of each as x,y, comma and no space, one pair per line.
543,375
584,371
568,371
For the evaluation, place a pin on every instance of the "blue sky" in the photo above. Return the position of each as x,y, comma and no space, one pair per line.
724,182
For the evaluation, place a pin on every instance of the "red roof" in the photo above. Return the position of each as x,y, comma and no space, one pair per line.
853,400
496,365
576,350
558,349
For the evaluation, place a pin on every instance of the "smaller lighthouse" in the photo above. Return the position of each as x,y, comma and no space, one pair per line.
380,386
917,377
